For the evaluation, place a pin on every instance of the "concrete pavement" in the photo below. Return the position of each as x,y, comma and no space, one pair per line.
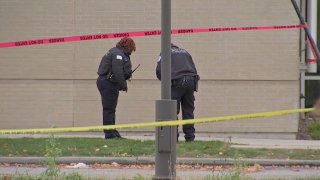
185,174
151,160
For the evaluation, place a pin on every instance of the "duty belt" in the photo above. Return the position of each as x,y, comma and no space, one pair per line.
186,78
183,79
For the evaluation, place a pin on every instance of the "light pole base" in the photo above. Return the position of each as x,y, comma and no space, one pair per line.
166,140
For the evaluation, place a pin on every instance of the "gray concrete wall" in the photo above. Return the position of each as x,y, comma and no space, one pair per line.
241,72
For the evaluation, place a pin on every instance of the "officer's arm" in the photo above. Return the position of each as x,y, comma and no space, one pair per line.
197,76
191,60
117,70
158,69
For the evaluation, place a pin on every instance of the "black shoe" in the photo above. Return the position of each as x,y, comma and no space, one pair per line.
116,133
110,136
189,137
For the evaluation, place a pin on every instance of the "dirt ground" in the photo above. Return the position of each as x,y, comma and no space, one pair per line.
303,133
310,117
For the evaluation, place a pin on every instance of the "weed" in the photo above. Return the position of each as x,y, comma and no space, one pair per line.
52,152
73,176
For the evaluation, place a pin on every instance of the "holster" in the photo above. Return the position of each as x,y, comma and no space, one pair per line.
197,78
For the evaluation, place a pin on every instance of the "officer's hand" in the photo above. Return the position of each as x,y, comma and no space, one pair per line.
125,89
128,76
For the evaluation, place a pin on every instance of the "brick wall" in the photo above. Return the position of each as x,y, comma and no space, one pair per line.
241,72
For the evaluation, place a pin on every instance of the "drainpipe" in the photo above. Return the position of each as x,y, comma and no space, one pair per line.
312,23
303,66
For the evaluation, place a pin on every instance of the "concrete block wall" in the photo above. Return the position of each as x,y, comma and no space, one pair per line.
241,72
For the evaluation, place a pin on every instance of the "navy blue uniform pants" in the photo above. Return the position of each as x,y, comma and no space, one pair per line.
109,92
182,90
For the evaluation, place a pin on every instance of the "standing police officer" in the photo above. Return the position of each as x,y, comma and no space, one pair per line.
184,81
114,70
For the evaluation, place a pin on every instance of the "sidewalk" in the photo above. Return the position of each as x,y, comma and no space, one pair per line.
185,174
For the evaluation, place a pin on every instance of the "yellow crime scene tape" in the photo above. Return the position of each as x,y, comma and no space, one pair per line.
153,124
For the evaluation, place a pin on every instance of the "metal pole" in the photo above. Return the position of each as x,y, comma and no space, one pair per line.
166,49
313,44
166,109
166,141
312,23
303,66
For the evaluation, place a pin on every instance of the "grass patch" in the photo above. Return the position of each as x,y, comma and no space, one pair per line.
128,148
77,147
314,130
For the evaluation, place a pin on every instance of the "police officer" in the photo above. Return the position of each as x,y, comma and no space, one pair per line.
114,70
184,80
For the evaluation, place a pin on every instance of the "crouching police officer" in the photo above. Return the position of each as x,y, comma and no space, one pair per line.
114,70
184,81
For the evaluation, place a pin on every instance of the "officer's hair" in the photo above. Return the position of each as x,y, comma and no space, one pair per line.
128,44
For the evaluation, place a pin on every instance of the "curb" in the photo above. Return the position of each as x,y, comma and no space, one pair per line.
151,160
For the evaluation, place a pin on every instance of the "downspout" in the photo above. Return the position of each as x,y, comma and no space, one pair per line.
312,23
303,66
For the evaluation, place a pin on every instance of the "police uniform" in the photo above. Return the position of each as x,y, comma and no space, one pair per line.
184,79
114,70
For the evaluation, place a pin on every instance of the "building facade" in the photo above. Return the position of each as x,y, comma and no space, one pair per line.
241,72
